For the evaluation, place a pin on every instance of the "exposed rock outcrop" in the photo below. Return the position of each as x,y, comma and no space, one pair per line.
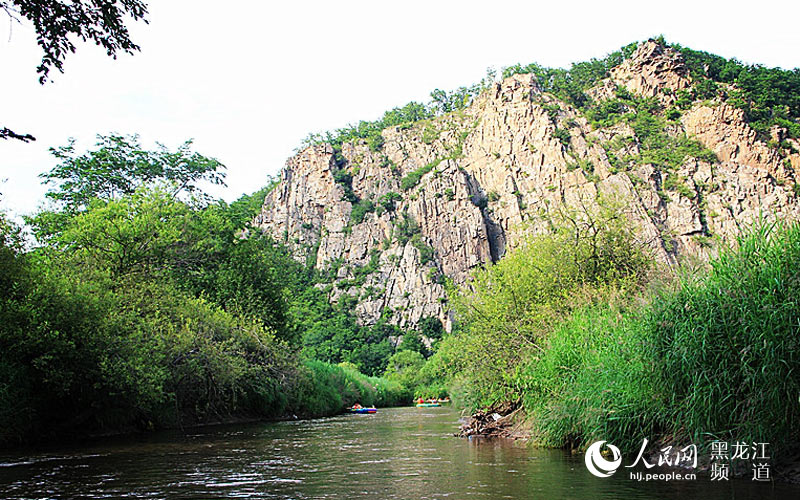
487,172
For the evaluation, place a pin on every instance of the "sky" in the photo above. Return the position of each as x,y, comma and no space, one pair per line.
249,80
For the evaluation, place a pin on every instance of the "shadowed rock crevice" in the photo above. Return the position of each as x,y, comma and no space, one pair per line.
439,197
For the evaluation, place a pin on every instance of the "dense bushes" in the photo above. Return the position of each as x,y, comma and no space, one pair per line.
657,144
768,96
511,306
84,353
592,381
324,389
711,357
412,178
138,309
360,210
570,84
92,342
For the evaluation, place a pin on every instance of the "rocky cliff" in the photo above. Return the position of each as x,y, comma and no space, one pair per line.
442,196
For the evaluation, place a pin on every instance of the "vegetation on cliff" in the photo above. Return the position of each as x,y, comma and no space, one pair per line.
642,119
768,96
485,356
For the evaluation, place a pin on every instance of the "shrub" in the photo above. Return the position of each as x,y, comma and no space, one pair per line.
360,210
429,133
426,252
342,177
511,306
563,136
326,389
375,141
388,200
592,381
413,178
406,228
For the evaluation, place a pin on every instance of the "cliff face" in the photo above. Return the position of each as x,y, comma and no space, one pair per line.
490,170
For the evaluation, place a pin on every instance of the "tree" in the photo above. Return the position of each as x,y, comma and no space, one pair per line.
120,165
511,307
6,133
57,23
99,21
413,342
144,233
431,327
404,367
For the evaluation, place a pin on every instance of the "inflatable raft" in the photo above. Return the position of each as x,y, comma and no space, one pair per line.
427,405
363,410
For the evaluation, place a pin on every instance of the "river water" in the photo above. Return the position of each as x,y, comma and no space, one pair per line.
398,453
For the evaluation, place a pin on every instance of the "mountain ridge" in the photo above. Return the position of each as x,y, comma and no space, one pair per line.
387,219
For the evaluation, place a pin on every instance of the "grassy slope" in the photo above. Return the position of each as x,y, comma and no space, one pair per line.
714,358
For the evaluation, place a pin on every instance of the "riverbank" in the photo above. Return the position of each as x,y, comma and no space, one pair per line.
316,390
144,312
504,423
708,356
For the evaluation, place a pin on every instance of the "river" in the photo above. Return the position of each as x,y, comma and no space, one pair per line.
398,453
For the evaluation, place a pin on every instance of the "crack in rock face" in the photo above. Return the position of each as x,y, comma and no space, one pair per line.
441,197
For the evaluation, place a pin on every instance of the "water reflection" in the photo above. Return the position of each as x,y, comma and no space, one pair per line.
402,453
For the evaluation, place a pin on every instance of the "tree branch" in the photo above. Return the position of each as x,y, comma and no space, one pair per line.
6,133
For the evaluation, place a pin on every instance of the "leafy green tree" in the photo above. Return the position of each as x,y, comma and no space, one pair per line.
510,307
431,328
404,367
413,342
96,334
331,332
152,235
250,280
242,211
140,233
119,166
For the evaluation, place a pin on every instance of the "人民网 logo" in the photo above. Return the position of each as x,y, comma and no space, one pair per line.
597,464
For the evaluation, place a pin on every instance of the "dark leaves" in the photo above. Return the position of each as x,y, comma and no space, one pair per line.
98,21
6,133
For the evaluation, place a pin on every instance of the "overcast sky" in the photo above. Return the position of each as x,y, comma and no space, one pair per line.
249,80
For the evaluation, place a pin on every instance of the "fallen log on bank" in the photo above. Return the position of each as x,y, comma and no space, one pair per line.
500,420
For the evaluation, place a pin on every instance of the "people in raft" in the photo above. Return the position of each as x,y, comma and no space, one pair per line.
433,400
357,406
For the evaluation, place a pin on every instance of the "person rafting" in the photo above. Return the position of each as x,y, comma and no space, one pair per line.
357,406
420,401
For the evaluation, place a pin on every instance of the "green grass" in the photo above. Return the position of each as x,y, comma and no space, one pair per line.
726,343
592,382
413,178
712,355
714,358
